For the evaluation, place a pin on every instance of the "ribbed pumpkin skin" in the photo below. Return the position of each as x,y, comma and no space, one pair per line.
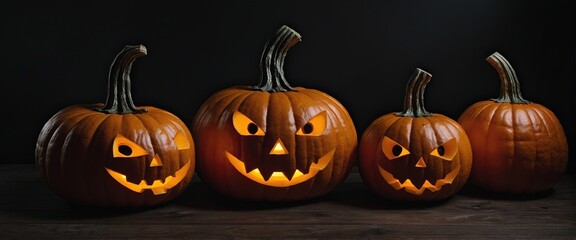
415,155
115,153
280,115
518,148
420,135
75,146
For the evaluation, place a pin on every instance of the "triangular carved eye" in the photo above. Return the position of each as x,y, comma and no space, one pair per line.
392,149
181,141
315,126
124,148
446,151
245,126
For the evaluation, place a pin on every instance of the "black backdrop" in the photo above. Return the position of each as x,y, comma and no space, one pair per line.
55,54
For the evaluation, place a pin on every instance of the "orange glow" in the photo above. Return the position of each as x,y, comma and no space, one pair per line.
316,125
388,146
279,148
278,179
181,141
450,150
409,186
156,162
242,125
158,186
421,163
134,149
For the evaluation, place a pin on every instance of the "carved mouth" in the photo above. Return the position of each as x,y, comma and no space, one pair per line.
158,186
409,186
278,179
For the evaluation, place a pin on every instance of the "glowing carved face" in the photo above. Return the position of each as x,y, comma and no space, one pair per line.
124,148
394,151
279,159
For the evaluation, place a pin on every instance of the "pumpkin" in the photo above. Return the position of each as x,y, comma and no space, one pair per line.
116,154
272,141
414,155
519,146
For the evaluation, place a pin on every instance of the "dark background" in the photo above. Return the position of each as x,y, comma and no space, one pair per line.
56,54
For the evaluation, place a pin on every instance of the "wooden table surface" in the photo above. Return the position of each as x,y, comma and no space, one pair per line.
29,210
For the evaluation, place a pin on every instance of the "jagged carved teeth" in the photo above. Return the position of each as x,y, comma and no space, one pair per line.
158,186
277,175
409,186
144,182
277,178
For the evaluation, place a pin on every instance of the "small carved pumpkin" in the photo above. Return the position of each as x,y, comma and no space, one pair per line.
273,142
519,146
415,155
116,154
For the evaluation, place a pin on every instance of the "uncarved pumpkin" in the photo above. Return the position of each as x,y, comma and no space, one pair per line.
415,155
273,142
116,154
519,146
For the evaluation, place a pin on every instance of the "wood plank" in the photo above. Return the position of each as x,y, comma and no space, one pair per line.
28,207
269,231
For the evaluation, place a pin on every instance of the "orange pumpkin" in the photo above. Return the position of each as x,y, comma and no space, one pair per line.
116,154
519,146
273,142
415,155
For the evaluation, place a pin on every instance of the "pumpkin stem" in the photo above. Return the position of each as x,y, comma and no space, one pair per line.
414,98
509,84
272,61
119,98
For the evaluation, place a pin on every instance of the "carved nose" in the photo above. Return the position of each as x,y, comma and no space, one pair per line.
421,163
278,148
156,162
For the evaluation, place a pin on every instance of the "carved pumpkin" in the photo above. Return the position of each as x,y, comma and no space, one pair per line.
415,155
116,154
273,142
519,146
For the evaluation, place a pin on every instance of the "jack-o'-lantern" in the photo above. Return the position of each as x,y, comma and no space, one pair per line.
519,146
116,154
273,142
415,155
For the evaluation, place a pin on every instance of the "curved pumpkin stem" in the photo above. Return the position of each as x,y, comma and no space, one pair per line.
414,98
272,61
119,98
509,84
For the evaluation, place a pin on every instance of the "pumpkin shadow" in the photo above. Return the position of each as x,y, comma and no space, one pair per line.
35,200
352,193
358,195
200,196
470,190
79,211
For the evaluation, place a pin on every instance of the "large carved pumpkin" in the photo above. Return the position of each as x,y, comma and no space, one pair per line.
273,142
519,146
415,155
116,154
